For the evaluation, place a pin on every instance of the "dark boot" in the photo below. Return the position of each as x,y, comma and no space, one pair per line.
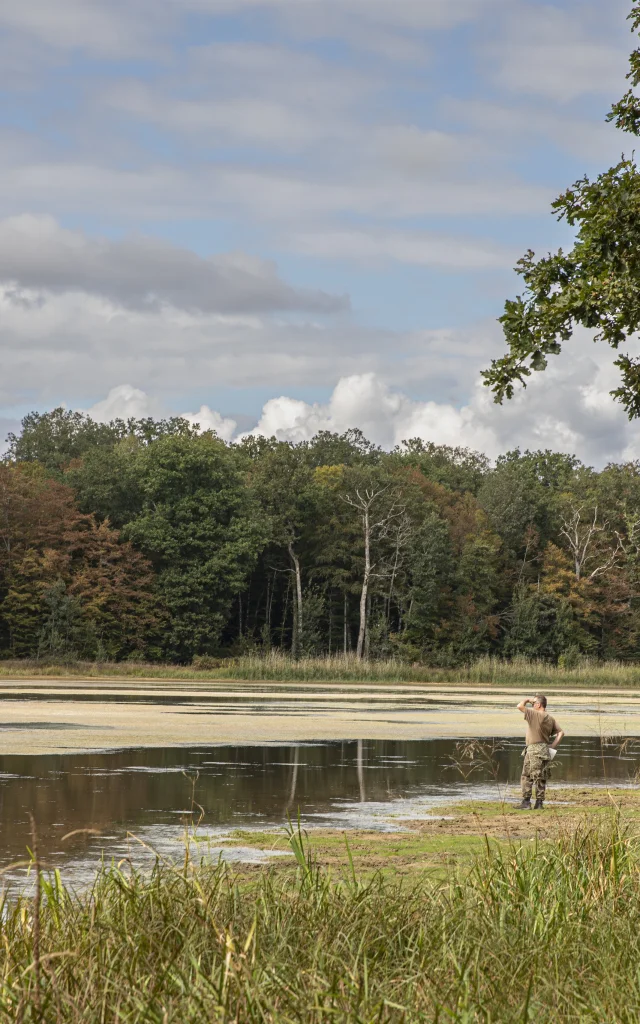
538,805
525,805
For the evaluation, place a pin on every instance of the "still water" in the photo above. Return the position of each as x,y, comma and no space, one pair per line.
146,796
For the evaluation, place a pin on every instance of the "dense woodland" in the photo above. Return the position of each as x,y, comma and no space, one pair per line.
147,540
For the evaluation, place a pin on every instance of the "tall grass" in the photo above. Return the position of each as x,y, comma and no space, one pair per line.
278,667
545,934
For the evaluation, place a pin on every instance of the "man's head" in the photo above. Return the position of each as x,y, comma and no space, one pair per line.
540,702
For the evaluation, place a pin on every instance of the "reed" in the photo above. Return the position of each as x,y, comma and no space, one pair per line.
279,667
547,933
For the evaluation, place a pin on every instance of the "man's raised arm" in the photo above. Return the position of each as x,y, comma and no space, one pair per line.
523,704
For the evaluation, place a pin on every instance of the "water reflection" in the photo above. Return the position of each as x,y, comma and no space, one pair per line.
149,792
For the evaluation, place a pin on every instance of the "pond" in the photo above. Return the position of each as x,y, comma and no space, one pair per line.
146,796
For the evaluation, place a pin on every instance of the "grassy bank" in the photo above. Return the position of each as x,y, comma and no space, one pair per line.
280,668
546,932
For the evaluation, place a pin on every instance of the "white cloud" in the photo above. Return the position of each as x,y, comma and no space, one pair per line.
420,248
392,385
58,346
208,419
124,28
336,17
105,28
236,92
560,54
385,416
126,402
568,408
502,126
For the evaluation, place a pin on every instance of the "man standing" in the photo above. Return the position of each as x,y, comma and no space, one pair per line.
540,728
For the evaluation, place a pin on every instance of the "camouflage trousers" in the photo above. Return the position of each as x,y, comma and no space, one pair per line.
535,770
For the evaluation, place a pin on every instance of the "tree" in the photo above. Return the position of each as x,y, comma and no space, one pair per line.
585,534
201,529
27,610
68,585
460,469
379,508
349,449
523,493
285,485
35,513
106,481
596,284
57,438
115,587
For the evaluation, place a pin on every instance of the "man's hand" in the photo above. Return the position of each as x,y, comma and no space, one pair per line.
554,745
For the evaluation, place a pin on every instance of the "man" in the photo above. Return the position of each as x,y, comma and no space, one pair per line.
540,728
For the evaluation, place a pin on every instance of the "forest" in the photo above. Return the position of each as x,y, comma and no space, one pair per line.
149,540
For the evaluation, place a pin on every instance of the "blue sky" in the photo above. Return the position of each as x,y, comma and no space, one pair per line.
298,213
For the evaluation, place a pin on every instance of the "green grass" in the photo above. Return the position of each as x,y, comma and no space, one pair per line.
281,668
390,853
545,933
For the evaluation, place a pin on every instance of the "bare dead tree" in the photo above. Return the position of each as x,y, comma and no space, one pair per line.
582,538
297,625
375,524
402,531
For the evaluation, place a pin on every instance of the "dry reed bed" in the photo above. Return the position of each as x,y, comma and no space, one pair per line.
547,933
278,667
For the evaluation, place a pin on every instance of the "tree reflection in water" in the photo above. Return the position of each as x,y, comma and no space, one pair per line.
128,790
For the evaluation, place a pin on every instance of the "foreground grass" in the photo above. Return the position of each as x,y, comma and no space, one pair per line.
542,932
281,668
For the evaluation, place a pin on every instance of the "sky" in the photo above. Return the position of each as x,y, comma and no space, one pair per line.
290,215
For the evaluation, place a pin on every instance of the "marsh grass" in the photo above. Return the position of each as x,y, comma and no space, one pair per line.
545,933
277,667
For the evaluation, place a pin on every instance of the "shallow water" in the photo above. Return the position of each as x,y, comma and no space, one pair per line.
148,795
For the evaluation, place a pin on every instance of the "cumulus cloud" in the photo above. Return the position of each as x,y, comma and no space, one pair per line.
392,385
384,415
138,272
209,419
568,408
126,402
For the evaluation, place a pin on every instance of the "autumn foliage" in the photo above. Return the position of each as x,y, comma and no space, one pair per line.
151,540
69,585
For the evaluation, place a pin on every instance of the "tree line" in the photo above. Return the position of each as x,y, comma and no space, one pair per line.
149,540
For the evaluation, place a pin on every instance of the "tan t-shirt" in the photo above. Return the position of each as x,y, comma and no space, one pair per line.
540,726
